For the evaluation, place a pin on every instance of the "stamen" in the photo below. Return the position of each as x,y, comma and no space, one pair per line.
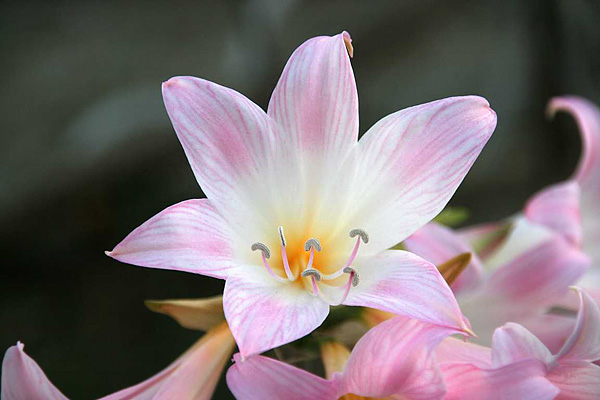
286,263
360,232
312,243
262,247
352,281
265,254
312,272
281,236
362,235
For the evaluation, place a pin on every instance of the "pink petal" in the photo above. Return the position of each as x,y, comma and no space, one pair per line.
584,342
261,378
576,380
194,375
522,380
557,207
587,116
456,350
315,102
22,378
552,329
513,343
228,139
539,276
263,313
404,284
189,236
396,357
411,162
438,244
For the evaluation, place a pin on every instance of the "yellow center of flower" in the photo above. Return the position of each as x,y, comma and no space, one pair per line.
304,262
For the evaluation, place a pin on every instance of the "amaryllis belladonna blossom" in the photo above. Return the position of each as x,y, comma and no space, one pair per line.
300,214
194,375
396,359
520,366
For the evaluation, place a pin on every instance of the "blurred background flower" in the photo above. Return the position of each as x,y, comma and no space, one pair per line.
87,151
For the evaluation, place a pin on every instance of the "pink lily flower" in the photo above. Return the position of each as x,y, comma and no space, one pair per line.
519,365
396,358
520,281
300,215
194,375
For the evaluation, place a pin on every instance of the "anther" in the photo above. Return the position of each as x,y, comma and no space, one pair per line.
281,236
312,243
359,232
354,274
312,272
262,247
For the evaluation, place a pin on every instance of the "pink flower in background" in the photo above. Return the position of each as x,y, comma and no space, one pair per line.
520,281
519,365
396,358
194,375
300,215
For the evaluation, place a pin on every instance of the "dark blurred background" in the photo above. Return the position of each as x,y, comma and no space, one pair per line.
88,153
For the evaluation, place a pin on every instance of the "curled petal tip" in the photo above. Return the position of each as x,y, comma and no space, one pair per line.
108,253
348,43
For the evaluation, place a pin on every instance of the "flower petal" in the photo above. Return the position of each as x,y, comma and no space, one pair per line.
576,380
552,329
227,138
584,342
22,378
199,314
260,378
315,102
189,236
411,162
557,207
438,244
456,350
587,116
396,357
263,313
539,276
522,380
484,239
404,284
194,375
513,343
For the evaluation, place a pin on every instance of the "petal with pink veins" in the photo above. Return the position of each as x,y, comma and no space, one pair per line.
22,378
522,380
264,313
584,342
557,207
438,244
513,343
402,283
538,276
227,138
315,102
456,350
411,162
576,380
189,236
260,378
397,357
